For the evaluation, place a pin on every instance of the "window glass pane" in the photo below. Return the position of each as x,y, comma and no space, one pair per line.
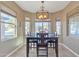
58,27
74,25
7,18
46,27
27,28
73,28
42,27
8,30
8,26
38,27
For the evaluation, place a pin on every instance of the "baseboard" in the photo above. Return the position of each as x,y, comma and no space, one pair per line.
69,49
14,50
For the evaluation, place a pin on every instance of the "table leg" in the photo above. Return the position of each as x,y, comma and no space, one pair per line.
37,49
47,49
27,48
56,47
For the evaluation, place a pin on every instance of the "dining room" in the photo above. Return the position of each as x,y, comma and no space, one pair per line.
39,29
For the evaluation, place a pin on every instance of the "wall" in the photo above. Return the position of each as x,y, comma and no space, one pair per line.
9,45
71,41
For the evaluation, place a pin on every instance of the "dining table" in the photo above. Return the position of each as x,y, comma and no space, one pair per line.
49,39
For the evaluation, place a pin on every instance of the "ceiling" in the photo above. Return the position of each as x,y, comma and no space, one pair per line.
50,6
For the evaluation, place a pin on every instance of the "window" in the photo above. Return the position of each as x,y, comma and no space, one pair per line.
8,26
27,26
58,26
74,25
42,26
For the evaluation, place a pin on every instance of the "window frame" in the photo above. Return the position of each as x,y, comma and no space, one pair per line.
27,20
58,19
15,25
43,24
68,24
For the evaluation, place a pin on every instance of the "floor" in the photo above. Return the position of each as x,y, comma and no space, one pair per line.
63,52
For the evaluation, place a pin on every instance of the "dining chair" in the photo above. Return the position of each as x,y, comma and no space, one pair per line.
32,43
53,42
42,44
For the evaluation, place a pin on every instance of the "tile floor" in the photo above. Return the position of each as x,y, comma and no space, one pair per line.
63,52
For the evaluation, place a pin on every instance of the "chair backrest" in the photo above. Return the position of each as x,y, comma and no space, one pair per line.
42,35
52,34
38,35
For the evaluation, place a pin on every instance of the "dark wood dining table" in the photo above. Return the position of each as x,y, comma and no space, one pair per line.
34,39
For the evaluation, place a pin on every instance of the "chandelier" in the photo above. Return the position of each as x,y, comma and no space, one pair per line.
42,14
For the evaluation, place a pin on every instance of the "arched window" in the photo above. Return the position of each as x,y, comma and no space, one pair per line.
58,25
27,26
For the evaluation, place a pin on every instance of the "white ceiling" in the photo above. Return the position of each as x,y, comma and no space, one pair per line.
50,6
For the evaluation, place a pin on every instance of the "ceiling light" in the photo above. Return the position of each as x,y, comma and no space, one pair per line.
42,14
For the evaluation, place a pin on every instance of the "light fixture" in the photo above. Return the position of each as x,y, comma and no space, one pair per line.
42,14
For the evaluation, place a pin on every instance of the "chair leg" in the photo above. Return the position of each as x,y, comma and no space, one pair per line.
37,51
53,45
50,44
47,51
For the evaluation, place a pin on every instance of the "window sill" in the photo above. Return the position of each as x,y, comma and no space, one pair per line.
6,39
